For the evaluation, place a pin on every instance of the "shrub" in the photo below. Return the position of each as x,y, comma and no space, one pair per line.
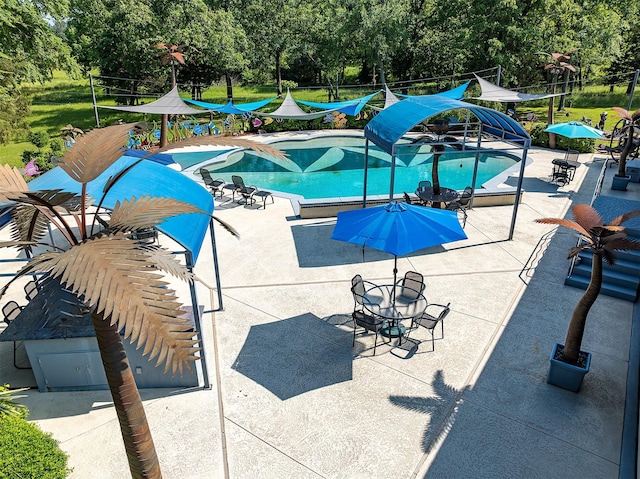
40,139
539,137
29,453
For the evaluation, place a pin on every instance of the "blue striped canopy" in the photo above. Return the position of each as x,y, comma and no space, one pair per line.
388,126
146,178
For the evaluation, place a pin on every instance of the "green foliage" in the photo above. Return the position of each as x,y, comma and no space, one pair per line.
40,139
539,137
9,407
582,145
289,85
27,452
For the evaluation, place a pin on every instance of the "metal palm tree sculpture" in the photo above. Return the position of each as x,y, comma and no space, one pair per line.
602,240
632,126
117,279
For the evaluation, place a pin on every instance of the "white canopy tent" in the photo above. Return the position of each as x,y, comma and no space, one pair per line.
492,92
169,104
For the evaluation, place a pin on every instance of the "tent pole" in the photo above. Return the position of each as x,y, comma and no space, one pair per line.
93,96
366,165
197,322
216,267
519,189
393,171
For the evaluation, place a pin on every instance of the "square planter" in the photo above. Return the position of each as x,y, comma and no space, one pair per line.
564,375
620,183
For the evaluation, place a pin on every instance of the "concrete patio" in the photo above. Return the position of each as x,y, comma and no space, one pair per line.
291,398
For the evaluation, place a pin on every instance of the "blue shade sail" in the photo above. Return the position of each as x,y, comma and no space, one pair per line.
146,178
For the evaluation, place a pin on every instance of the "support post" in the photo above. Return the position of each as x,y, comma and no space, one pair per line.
633,88
93,96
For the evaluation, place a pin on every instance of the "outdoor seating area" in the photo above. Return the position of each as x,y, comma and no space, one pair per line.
564,169
288,359
386,309
249,194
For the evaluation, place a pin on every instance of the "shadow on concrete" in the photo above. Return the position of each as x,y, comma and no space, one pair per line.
432,406
296,355
315,248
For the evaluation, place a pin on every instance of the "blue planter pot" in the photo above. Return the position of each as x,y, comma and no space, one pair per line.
620,183
564,375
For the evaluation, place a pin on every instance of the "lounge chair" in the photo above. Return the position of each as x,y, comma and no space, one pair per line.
462,204
250,193
214,185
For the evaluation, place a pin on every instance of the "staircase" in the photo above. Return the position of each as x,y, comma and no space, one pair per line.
622,280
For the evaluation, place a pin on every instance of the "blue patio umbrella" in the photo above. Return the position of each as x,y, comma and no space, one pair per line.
398,228
574,129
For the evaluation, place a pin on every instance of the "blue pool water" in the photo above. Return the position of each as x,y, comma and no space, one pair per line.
332,166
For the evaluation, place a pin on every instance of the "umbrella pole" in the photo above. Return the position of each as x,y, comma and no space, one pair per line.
395,278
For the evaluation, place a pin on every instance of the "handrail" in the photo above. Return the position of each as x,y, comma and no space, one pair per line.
528,266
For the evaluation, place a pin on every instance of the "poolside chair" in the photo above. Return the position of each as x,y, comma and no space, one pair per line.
369,323
462,204
411,286
214,185
31,289
358,289
256,194
243,190
433,315
424,184
10,311
407,198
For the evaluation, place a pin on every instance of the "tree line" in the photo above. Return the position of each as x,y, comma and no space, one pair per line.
309,42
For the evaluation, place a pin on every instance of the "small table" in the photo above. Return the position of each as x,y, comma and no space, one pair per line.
447,195
564,169
387,301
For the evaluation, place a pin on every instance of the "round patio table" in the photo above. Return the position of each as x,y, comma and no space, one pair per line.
388,301
446,195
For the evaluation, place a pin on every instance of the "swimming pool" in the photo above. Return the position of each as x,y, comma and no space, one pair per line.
332,166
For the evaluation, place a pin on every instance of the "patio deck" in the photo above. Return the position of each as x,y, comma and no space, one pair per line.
299,402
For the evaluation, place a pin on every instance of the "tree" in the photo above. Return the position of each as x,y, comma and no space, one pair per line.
602,240
132,297
31,51
556,66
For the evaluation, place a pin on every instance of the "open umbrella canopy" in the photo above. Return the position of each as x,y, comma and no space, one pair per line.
574,129
398,228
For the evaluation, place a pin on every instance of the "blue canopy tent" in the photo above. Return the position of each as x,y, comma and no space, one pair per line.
231,108
456,93
390,126
148,178
348,107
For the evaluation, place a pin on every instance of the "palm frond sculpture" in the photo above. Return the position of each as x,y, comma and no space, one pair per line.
602,240
110,274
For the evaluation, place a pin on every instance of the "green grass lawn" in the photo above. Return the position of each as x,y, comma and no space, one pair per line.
66,101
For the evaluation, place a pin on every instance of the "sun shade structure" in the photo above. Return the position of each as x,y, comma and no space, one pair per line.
148,178
348,107
398,228
492,92
289,110
456,93
232,108
388,130
169,104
